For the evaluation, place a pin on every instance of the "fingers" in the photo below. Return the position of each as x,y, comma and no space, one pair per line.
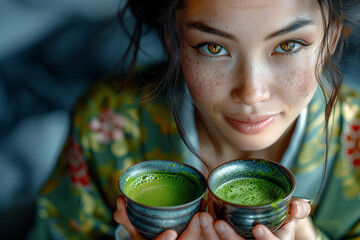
121,217
261,232
207,227
225,231
287,231
167,235
200,227
222,228
305,229
299,209
193,230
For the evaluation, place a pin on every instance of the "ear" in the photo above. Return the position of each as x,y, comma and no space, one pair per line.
335,34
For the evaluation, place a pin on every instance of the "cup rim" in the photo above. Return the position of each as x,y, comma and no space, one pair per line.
167,207
288,195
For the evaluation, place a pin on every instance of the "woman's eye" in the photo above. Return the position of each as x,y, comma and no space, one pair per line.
214,49
288,47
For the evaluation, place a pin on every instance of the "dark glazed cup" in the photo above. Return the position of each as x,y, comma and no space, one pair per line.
150,220
243,217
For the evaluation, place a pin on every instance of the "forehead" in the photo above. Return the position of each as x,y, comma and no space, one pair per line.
254,15
250,7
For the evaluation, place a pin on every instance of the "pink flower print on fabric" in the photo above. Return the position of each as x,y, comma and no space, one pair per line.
108,126
352,143
76,164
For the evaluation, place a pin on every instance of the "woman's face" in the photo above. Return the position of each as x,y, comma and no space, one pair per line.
249,65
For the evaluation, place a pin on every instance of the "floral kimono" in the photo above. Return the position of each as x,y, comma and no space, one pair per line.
113,130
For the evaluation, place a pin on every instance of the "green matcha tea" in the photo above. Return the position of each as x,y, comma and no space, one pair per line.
250,191
163,189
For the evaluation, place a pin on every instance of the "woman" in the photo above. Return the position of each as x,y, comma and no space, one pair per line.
243,79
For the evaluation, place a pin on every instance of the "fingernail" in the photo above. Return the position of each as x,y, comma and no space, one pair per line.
203,221
309,201
197,221
220,228
258,232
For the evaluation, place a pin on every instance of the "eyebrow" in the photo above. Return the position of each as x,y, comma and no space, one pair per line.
295,25
203,27
292,27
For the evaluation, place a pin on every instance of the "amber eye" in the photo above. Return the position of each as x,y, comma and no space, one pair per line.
287,46
214,48
210,49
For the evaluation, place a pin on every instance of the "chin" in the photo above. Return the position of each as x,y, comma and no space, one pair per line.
254,143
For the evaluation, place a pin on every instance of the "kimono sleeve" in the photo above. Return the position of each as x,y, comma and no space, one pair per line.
70,205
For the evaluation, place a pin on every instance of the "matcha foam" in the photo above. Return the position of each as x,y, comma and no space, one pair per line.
250,191
162,189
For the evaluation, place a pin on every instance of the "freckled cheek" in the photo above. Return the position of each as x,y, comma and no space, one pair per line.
203,81
298,83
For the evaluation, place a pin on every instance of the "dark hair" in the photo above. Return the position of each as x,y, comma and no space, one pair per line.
160,15
336,14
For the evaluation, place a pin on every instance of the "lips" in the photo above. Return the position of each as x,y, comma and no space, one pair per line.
251,124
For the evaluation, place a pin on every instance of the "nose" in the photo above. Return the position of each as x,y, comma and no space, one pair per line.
251,86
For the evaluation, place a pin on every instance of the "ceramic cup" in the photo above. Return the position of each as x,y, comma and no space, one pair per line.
244,217
152,220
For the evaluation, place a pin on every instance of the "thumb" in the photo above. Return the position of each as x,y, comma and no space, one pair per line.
287,231
120,216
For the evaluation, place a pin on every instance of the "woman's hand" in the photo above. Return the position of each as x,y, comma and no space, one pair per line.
305,229
203,226
193,230
299,211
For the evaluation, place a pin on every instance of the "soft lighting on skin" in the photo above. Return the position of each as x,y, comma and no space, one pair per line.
249,80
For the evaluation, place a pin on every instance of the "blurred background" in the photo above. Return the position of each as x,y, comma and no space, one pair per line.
50,52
